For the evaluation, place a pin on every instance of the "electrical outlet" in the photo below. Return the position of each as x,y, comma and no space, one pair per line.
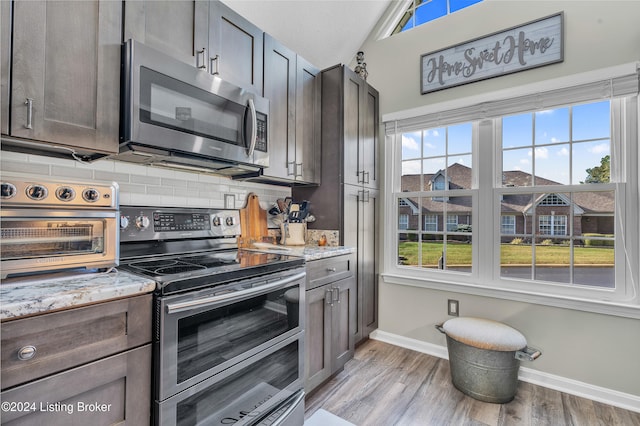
229,201
452,307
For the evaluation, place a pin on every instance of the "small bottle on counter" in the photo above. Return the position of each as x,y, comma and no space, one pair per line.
322,241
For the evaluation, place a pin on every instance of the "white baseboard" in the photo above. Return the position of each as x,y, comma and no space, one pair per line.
540,378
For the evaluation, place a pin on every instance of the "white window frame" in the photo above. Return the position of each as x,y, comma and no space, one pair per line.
511,225
555,224
403,221
429,223
621,87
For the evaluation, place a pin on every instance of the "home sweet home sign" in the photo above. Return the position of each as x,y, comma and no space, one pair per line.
531,45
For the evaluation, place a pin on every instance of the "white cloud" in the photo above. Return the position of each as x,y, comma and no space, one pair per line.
602,148
410,143
525,161
563,152
411,168
542,153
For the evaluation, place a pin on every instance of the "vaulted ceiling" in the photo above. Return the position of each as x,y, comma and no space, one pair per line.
325,32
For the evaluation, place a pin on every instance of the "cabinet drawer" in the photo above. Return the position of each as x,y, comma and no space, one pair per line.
113,391
66,339
324,271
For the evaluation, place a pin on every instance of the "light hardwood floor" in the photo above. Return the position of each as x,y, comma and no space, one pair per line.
387,385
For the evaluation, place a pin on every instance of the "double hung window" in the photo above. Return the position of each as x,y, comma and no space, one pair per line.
537,201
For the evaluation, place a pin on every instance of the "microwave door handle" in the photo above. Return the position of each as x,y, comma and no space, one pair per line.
254,127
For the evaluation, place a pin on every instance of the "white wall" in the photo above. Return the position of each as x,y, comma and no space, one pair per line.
595,349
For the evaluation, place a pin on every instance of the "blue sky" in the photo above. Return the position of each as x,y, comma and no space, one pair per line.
565,143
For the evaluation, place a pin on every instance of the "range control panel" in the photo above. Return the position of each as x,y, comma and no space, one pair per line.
148,223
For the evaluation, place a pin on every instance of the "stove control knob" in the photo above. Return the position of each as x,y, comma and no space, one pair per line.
124,222
142,222
64,193
37,192
8,190
216,221
229,221
91,195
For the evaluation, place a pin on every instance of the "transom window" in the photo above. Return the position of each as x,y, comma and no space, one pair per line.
423,11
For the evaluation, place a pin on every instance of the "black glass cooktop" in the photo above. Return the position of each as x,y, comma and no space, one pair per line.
179,272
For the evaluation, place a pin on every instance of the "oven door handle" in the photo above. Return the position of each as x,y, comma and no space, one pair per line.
291,403
231,297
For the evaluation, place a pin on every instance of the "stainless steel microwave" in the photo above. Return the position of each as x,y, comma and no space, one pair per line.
174,114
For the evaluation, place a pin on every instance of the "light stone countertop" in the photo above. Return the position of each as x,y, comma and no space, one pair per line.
309,252
23,297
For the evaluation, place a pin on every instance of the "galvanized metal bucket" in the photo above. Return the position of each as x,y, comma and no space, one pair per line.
488,375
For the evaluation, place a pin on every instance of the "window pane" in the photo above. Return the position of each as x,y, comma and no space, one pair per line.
591,162
455,5
408,249
433,166
517,167
457,253
552,126
411,145
434,143
553,260
592,121
433,213
516,259
407,219
432,251
517,130
552,164
459,172
429,11
459,139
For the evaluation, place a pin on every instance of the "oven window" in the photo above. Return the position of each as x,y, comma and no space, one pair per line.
238,395
28,239
176,105
213,337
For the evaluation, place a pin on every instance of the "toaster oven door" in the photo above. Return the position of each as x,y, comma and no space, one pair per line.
31,243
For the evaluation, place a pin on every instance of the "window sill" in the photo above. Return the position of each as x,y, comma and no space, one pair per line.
621,309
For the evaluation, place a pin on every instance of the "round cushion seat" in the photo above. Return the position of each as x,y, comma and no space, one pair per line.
484,334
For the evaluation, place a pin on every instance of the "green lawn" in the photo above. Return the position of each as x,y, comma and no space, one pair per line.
460,254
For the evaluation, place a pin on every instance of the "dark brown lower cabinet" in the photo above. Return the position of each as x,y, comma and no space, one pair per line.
84,366
331,316
114,390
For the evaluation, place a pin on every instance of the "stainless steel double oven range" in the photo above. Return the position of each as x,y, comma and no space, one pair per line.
228,322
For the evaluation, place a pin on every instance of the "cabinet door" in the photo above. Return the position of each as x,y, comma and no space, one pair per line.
351,237
368,221
66,73
369,145
5,63
317,337
177,28
280,89
236,48
353,110
308,122
119,387
343,319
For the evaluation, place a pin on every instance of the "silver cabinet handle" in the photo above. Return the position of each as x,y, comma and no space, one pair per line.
365,174
328,296
298,165
215,61
26,353
291,168
331,269
29,104
336,291
201,54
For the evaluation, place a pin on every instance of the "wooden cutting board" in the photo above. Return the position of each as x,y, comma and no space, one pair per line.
253,222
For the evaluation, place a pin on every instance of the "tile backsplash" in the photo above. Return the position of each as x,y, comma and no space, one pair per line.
146,185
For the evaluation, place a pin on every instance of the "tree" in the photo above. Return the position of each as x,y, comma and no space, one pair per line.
601,173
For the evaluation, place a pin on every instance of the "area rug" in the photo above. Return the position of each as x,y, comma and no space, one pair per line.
324,418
